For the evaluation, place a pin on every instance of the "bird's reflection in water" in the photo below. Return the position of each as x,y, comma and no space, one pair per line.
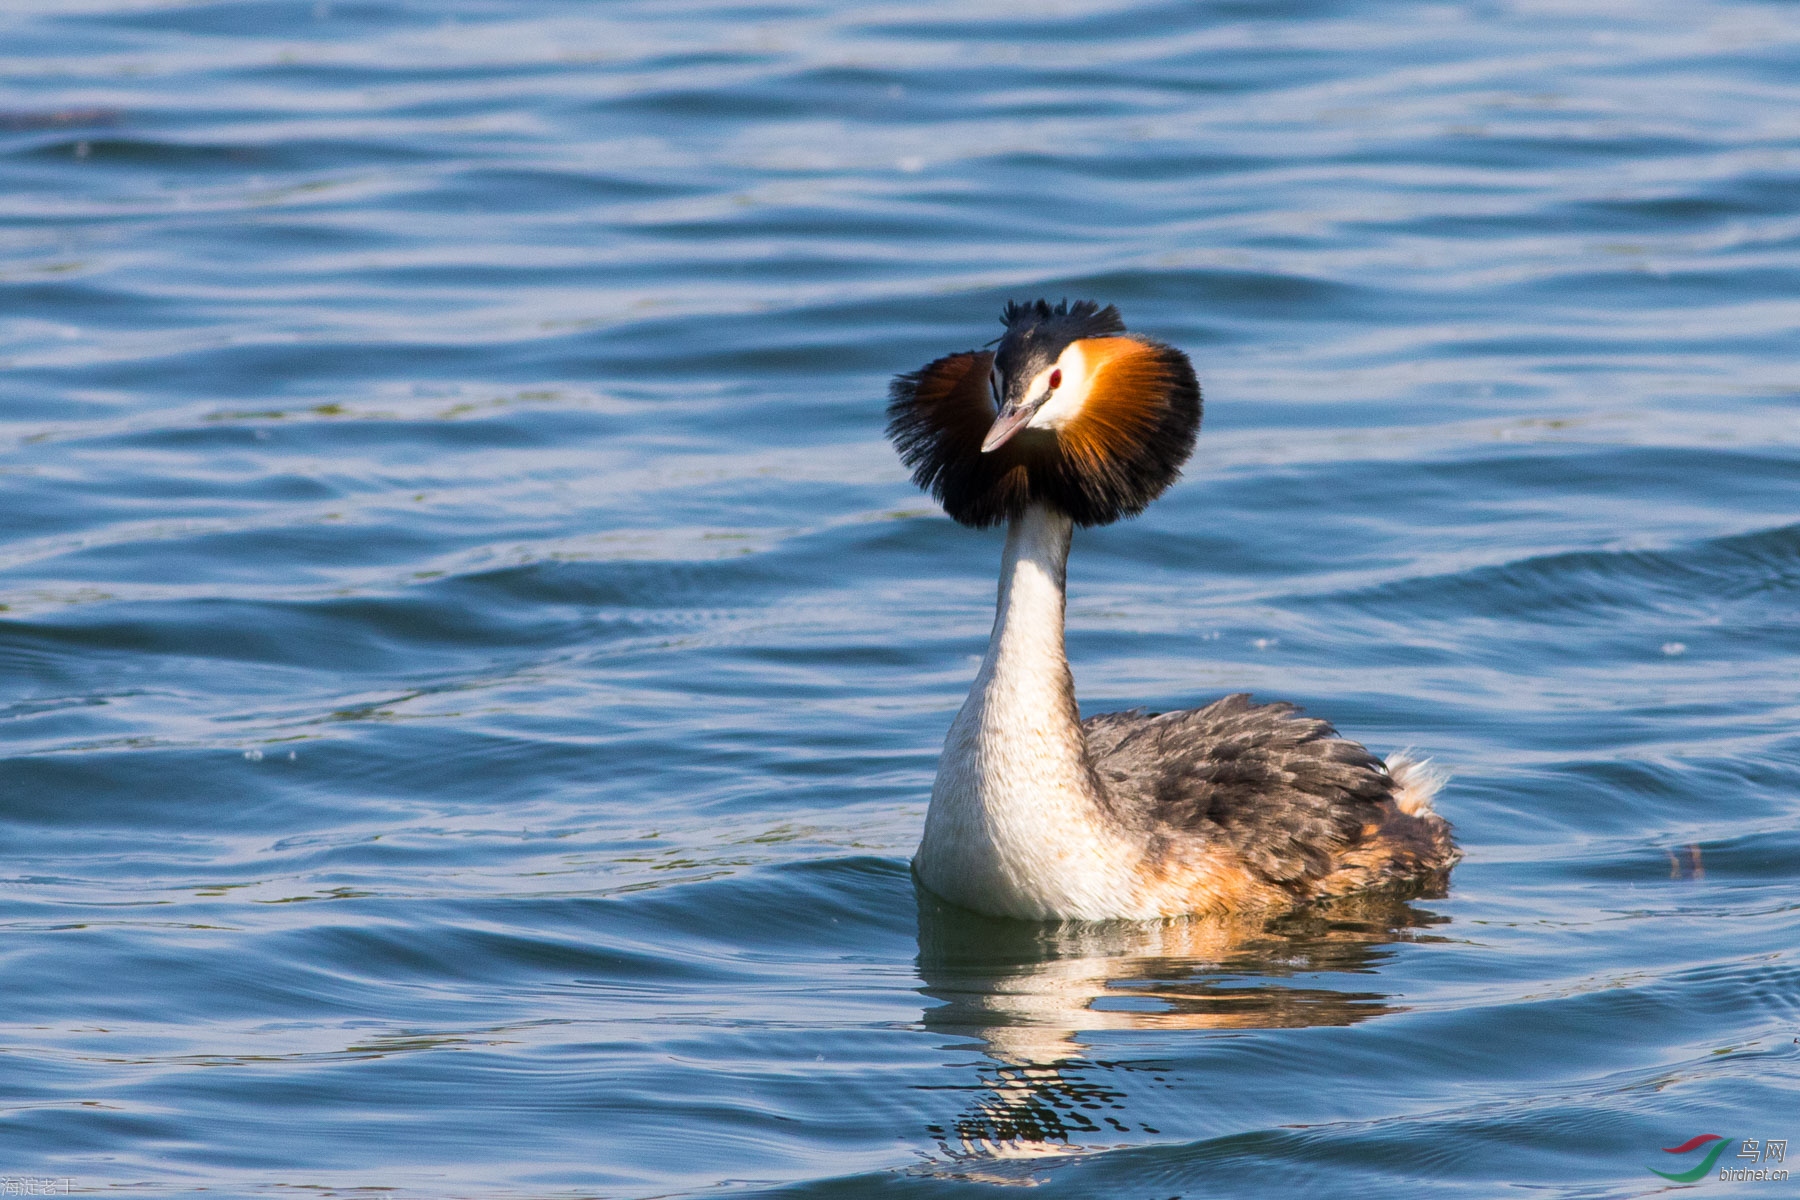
1025,993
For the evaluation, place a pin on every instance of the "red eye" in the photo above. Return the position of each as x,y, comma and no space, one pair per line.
1055,379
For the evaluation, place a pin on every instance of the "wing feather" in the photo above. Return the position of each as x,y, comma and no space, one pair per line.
1282,790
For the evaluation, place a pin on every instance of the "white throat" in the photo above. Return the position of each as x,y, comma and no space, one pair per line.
1015,825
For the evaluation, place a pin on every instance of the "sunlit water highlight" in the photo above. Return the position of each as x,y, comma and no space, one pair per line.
472,670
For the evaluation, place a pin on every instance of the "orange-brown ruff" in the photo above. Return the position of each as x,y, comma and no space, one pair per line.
1106,463
1035,813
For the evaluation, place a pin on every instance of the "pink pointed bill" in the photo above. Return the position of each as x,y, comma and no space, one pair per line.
1004,426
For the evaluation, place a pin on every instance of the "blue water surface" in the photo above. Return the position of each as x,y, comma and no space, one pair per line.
472,670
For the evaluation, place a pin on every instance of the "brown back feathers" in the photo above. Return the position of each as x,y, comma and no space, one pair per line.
1117,454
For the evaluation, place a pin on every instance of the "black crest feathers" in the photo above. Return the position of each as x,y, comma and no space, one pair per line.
1121,451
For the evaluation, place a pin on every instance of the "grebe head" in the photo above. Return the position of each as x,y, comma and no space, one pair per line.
1068,410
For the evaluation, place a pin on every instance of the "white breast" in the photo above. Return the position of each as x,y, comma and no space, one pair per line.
1014,827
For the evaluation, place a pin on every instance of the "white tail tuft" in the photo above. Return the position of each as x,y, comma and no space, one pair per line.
1418,782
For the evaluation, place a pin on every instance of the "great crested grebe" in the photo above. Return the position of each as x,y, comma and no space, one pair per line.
1038,814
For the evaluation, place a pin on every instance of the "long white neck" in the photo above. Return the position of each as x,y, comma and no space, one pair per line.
1024,678
1016,826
